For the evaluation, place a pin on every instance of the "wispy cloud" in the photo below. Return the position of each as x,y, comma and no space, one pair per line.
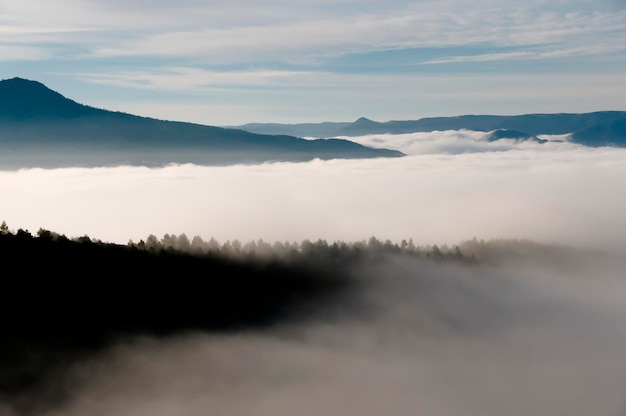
304,32
298,42
534,54
201,47
277,96
186,78
20,53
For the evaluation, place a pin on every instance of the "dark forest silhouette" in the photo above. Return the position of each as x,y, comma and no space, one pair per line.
67,298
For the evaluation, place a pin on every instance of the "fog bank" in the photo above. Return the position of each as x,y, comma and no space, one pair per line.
528,330
553,192
517,337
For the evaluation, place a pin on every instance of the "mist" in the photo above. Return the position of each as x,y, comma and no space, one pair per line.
534,324
537,333
555,192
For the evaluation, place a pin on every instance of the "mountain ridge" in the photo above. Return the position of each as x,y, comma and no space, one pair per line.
16,101
40,127
599,128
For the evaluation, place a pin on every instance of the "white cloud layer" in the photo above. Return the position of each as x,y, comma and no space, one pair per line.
460,141
539,335
446,192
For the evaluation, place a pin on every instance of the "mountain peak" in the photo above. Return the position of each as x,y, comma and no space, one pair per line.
365,121
20,86
24,99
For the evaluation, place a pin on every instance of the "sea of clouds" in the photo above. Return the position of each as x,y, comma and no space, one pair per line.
451,186
512,337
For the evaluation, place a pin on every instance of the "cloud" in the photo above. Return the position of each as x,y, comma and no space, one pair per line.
514,338
205,96
316,60
327,36
189,79
19,53
305,33
534,329
589,50
457,142
556,192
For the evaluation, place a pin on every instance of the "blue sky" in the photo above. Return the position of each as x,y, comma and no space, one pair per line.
228,63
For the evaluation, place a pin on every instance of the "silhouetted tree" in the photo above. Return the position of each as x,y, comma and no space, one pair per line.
214,245
83,239
182,243
198,245
436,252
23,234
152,243
169,241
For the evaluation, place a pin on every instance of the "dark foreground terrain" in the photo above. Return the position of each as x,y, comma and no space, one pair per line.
63,299
172,326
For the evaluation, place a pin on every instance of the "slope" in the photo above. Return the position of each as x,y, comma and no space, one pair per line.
40,127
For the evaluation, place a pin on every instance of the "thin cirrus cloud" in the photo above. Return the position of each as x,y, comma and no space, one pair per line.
194,29
17,52
221,98
312,59
589,50
185,78
294,41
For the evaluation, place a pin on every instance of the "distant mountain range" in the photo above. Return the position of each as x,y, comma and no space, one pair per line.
40,127
602,128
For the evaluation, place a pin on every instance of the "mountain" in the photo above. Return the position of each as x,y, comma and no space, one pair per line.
25,100
324,129
512,134
40,127
601,128
611,132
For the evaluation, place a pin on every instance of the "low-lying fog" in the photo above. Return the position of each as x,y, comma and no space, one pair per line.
453,186
540,333
517,338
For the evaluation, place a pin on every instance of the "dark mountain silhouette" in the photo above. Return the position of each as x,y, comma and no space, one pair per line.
40,127
325,129
22,99
532,124
612,133
512,134
601,128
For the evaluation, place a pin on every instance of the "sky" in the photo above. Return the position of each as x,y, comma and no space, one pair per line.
230,63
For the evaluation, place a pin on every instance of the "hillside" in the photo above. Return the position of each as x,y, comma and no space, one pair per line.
602,128
40,127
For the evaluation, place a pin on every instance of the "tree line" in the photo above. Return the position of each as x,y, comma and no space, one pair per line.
285,249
